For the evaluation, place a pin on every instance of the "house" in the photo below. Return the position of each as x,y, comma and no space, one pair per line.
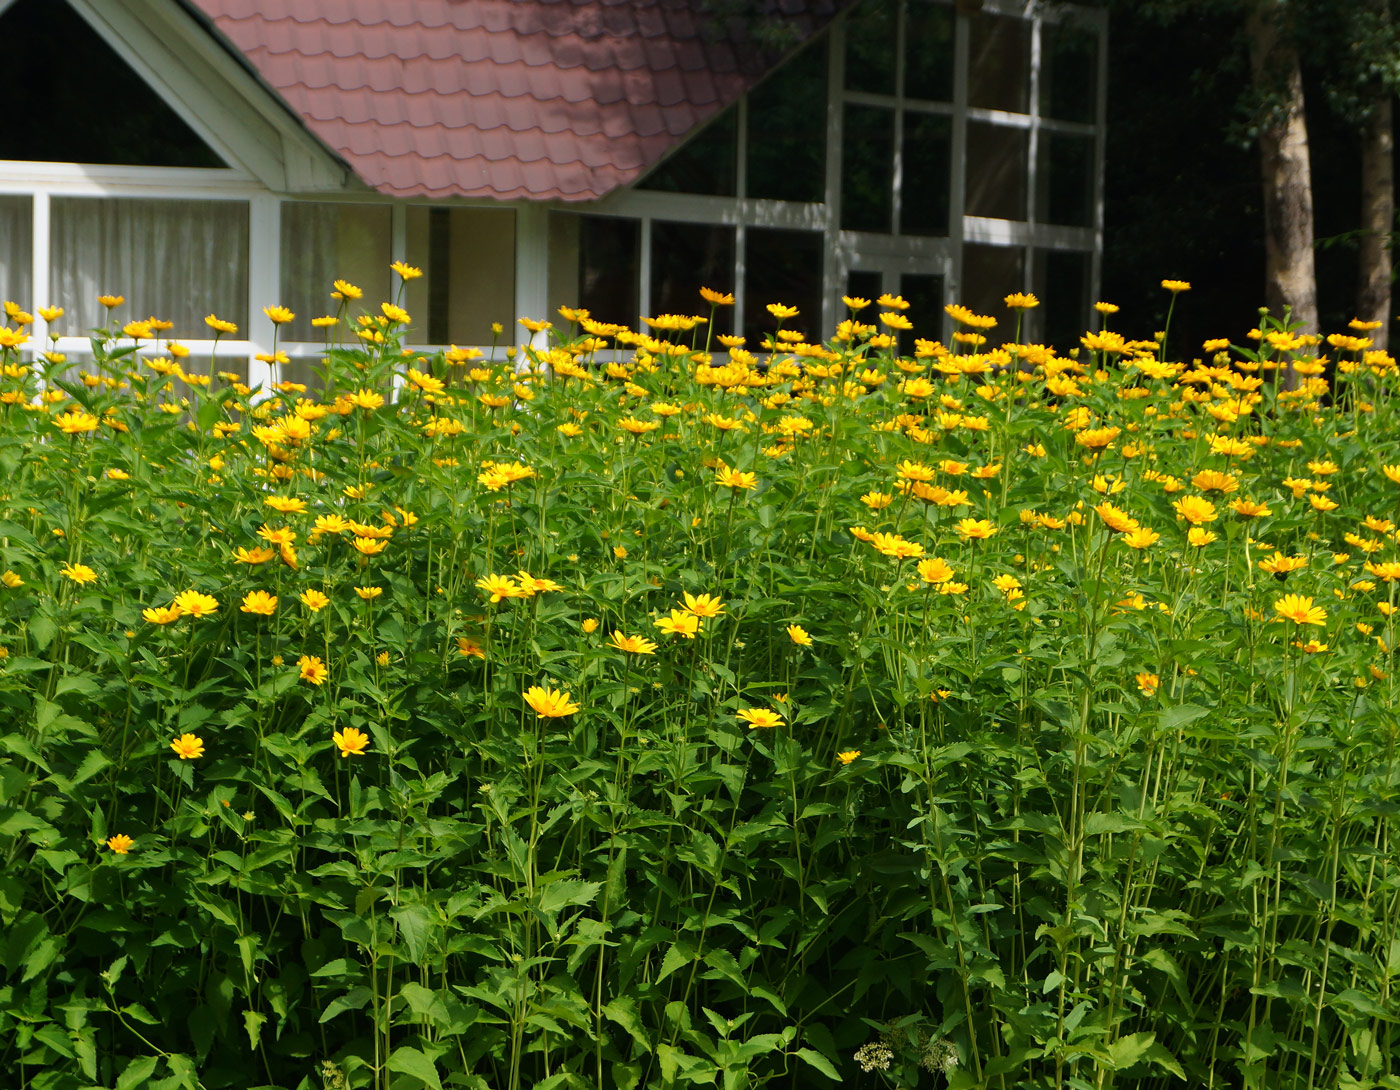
220,156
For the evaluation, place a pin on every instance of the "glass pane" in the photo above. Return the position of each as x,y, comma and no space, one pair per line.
924,294
867,169
871,31
99,111
782,267
609,269
928,51
999,63
686,257
16,255
176,260
997,161
787,130
1062,286
707,163
324,242
1069,70
1065,180
989,275
928,165
462,290
863,284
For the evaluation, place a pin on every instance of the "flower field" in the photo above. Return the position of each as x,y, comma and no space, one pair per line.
650,709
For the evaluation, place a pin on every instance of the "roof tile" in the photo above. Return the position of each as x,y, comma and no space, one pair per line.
505,99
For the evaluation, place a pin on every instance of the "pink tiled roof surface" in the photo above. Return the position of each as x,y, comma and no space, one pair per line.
510,99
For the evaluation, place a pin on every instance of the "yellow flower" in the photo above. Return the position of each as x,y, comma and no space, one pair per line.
218,325
893,545
287,505
877,500
162,614
620,552
75,423
679,623
259,602
368,546
1322,503
1141,538
703,605
1278,564
469,648
78,573
111,301
799,635
1195,509
1116,519
535,584
50,314
1249,509
346,291
366,399
195,604
638,427
499,587
120,844
1199,537
1176,286
369,594
760,718
1021,301
1300,610
408,272
549,703
278,315
719,299
350,741
1147,683
395,314
980,529
590,625
733,478
188,746
117,475
312,669
846,756
314,600
635,645
780,311
935,570
11,580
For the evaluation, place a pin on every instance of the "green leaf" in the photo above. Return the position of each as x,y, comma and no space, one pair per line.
412,1062
623,1011
558,894
680,954
813,1058
253,1024
416,926
137,1073
1126,1051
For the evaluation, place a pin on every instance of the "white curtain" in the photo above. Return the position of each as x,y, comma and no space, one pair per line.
175,260
15,254
324,242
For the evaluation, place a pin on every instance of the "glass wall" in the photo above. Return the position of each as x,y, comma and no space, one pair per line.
468,256
16,252
323,242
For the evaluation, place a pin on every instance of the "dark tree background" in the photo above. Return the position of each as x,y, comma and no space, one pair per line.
1182,191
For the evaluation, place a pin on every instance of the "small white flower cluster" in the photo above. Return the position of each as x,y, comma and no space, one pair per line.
874,1056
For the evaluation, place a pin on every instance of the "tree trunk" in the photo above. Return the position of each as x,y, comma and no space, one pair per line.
1290,276
1377,219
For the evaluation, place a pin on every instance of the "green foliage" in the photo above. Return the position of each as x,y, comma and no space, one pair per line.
1073,813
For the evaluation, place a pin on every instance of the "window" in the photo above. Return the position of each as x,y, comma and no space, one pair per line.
176,260
595,263
928,163
924,294
786,144
1065,179
989,275
997,161
867,169
1069,70
707,163
782,267
16,253
468,256
928,51
999,63
323,242
686,257
96,109
1062,284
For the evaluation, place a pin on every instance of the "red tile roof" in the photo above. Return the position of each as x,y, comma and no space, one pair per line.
510,99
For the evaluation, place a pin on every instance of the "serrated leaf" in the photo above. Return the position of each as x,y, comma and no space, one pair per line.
410,1061
813,1058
